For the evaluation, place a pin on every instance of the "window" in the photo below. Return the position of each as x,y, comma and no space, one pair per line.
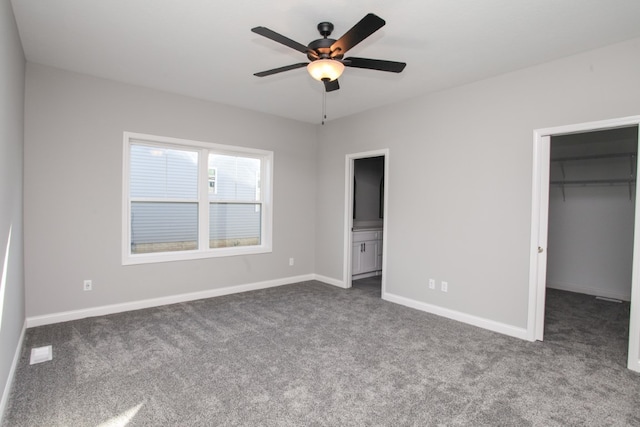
187,199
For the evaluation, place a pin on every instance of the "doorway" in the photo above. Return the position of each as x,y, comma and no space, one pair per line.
542,173
366,176
590,241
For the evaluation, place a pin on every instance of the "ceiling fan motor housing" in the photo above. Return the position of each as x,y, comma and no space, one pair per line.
322,47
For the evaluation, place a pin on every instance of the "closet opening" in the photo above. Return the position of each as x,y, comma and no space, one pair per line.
590,242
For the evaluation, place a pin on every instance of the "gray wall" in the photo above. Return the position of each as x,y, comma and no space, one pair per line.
590,246
73,191
460,171
12,294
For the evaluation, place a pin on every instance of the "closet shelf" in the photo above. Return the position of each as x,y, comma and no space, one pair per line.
594,157
629,181
584,182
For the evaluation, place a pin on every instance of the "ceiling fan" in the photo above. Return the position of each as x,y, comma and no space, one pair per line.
327,55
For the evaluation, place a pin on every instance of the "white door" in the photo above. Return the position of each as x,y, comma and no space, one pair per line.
545,153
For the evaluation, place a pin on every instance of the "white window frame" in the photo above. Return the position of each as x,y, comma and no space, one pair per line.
204,148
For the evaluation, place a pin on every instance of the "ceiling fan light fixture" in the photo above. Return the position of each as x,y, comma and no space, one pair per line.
325,69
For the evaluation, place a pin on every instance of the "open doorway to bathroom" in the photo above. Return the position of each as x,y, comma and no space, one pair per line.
367,206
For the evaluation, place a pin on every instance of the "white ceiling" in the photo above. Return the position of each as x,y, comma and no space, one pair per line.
205,49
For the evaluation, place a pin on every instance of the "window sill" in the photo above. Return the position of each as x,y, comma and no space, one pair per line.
193,255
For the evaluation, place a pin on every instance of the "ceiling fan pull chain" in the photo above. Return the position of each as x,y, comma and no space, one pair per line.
324,106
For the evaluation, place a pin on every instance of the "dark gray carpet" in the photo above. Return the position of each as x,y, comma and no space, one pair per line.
312,354
369,284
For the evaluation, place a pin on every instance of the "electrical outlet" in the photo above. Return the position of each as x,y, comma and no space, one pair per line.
444,286
87,285
290,261
432,284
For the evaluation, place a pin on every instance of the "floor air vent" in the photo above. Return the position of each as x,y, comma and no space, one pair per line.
41,354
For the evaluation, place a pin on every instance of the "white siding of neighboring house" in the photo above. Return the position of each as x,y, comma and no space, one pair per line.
173,174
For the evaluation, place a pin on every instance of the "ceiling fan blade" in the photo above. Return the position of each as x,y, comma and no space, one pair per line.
363,29
330,86
375,64
281,69
270,34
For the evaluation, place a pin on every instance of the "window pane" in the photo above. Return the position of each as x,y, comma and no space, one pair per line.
163,172
234,224
235,177
163,227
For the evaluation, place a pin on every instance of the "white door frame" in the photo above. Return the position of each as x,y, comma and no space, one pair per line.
348,213
539,219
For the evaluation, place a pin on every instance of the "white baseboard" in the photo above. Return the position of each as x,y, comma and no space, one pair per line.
330,281
571,287
12,373
480,322
633,365
156,302
173,299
